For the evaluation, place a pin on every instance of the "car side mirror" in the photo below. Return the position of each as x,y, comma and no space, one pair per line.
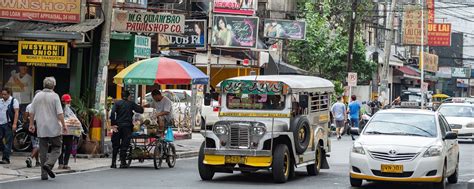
451,136
354,131
207,99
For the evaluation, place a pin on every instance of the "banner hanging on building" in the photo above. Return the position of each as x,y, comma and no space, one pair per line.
44,10
234,31
430,62
142,48
285,29
430,4
439,35
195,37
412,26
47,54
242,7
141,22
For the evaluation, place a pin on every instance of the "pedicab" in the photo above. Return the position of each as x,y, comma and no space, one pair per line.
438,99
150,141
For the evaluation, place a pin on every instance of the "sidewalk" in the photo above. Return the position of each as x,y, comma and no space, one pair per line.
17,170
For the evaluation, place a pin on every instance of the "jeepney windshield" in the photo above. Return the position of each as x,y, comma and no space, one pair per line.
255,101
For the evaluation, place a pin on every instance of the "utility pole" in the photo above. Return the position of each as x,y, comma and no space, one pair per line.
100,90
209,50
351,36
388,49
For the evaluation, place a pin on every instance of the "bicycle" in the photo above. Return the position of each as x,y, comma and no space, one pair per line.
164,150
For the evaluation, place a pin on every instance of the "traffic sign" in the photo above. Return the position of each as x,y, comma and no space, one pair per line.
424,87
352,79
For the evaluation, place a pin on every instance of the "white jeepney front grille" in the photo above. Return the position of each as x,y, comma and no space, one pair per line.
239,136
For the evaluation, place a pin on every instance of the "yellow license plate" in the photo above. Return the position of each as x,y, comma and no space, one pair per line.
391,168
233,159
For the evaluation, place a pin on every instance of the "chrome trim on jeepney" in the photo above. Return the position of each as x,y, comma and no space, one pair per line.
237,152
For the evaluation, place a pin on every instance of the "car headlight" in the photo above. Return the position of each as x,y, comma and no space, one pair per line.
433,151
220,129
258,131
358,149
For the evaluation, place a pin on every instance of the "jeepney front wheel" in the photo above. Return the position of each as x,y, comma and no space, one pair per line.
205,171
282,166
316,167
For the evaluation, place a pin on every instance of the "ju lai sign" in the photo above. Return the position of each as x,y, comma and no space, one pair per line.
142,47
140,22
41,10
439,34
285,29
49,54
194,37
234,31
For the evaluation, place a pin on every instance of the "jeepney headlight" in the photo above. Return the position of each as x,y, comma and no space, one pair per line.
220,129
258,129
358,149
433,151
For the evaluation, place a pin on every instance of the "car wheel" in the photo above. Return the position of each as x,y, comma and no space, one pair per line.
454,177
316,167
281,165
356,182
442,184
205,171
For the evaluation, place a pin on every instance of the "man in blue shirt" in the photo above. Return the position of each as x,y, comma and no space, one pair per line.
354,111
339,112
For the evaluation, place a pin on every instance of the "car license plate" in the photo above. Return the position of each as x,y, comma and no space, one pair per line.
233,159
391,168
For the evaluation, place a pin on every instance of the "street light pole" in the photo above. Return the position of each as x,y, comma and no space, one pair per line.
209,50
422,60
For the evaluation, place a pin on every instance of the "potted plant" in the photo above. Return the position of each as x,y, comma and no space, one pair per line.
85,115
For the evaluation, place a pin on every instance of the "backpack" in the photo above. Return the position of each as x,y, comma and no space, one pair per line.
11,111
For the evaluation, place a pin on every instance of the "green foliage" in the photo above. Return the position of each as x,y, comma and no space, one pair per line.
324,52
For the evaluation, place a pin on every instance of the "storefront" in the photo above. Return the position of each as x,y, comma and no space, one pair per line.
31,51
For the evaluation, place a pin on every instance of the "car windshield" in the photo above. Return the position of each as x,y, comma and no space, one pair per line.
255,101
457,111
408,124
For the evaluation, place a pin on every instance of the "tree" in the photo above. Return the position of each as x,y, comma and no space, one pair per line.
324,52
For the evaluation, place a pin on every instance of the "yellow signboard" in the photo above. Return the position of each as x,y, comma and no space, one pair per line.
36,53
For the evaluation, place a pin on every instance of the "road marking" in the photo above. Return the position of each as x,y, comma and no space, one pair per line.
88,171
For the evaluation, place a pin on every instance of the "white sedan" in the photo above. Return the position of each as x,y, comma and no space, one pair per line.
460,117
405,145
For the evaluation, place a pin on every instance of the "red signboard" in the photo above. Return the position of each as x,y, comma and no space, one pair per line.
247,7
45,10
439,34
431,10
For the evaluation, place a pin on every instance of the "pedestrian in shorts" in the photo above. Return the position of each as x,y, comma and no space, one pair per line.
339,112
34,140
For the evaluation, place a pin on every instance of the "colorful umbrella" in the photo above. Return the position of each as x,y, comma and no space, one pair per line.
161,70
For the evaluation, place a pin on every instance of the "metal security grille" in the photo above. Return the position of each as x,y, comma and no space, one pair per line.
239,136
392,157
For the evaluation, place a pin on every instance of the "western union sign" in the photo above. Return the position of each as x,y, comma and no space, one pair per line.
42,53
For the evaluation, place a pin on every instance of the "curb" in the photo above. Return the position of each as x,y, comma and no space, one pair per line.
470,184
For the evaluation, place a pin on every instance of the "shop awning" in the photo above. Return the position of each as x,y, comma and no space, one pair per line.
409,72
41,30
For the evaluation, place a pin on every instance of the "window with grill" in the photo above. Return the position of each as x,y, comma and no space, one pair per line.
319,102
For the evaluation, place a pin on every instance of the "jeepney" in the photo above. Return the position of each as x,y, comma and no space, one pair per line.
275,122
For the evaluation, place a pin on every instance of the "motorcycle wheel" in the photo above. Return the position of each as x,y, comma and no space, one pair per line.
22,142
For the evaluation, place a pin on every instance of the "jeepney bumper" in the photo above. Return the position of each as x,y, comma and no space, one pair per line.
254,158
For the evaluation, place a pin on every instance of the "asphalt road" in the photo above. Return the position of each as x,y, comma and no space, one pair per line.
185,175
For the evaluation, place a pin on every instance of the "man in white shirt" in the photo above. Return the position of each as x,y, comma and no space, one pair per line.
48,113
9,110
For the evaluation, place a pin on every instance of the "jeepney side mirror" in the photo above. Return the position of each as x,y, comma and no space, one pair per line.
207,99
303,101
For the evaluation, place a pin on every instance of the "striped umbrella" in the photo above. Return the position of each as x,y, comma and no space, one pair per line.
161,70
